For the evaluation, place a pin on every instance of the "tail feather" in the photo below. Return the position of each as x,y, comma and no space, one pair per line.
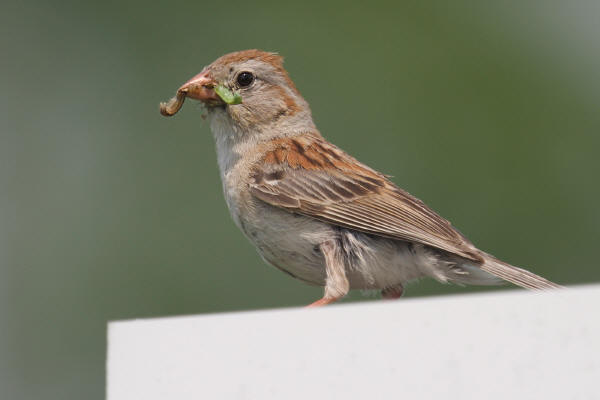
518,276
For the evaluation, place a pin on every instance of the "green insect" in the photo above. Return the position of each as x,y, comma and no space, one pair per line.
228,96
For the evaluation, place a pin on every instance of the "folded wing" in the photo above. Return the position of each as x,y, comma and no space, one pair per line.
310,176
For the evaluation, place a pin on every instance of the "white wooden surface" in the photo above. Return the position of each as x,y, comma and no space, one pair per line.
512,345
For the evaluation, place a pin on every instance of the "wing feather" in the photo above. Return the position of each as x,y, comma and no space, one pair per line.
310,176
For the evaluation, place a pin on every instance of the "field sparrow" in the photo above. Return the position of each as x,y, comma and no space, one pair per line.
312,210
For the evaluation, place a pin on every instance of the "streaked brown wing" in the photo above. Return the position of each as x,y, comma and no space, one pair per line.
310,176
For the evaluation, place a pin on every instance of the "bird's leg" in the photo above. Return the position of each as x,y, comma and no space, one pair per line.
336,283
322,302
392,292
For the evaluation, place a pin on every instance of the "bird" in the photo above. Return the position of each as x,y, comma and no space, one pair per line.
312,210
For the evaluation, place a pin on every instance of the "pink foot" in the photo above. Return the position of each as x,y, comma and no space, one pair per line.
392,293
322,302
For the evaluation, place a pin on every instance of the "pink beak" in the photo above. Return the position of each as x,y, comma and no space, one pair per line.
201,87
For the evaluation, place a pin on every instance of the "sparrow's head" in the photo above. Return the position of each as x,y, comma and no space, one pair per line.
251,89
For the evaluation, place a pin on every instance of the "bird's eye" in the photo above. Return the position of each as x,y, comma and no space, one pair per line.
245,78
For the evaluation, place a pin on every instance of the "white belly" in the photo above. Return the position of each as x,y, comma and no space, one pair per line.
290,242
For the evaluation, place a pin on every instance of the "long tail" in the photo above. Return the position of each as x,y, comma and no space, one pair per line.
518,276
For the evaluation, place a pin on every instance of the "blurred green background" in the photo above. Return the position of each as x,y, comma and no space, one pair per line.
489,112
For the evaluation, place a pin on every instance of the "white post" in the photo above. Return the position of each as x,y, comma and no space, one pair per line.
508,345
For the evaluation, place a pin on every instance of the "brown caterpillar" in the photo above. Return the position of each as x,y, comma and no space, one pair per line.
171,107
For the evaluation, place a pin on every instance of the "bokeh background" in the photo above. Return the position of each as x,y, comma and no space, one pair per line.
488,111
